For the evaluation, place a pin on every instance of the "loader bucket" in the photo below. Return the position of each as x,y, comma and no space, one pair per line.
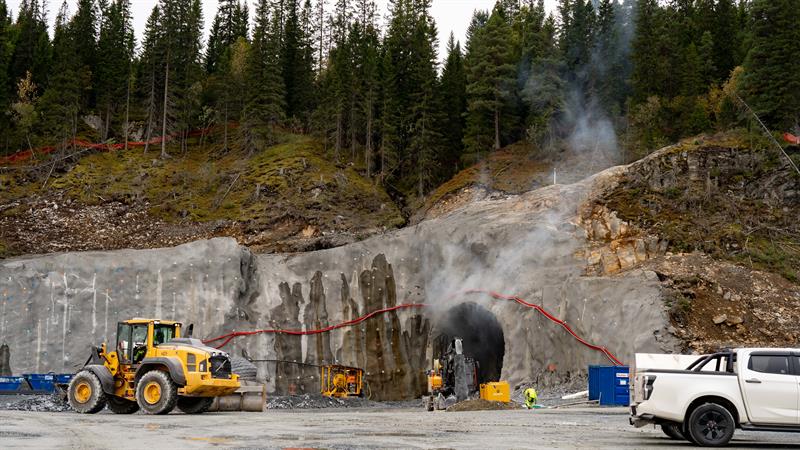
251,396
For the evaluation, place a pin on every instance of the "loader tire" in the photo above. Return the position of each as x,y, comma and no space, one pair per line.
156,393
244,368
194,405
85,393
119,405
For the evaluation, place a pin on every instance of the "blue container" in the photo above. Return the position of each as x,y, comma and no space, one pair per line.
63,378
41,382
10,384
609,385
594,382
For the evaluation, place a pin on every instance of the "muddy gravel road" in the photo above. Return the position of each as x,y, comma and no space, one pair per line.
351,428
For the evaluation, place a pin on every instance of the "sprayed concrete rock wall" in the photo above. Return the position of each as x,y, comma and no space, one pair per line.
55,307
533,245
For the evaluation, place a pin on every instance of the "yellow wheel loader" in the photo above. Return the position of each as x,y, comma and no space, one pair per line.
153,369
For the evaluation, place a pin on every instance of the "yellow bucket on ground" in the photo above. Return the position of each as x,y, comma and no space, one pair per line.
498,391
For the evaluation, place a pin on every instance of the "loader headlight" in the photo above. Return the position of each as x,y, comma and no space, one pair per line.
648,386
203,366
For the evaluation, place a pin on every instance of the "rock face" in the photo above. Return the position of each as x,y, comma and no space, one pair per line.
534,245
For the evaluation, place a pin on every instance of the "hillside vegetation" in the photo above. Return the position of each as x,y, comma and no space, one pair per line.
290,196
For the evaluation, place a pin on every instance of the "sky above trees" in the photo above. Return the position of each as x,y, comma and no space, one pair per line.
450,15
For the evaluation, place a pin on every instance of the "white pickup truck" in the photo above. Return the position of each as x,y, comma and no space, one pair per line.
750,389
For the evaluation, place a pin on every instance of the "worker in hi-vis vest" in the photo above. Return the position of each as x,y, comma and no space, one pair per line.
530,398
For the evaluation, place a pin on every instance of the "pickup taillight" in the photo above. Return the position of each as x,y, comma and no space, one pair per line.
647,386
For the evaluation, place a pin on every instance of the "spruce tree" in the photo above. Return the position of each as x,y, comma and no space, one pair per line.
230,23
183,20
115,54
264,107
691,73
150,68
771,83
364,42
707,68
726,38
426,142
490,75
529,26
340,96
296,65
6,50
31,46
577,38
453,93
401,89
60,103
608,67
648,76
84,29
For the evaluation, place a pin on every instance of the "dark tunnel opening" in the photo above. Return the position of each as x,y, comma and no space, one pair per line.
481,334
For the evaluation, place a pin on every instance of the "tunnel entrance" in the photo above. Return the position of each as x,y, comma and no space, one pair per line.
482,337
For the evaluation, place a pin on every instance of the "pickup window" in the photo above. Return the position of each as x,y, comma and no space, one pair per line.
777,364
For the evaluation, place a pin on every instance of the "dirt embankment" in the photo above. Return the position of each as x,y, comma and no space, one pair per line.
717,304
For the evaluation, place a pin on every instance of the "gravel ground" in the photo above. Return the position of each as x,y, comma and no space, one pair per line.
351,428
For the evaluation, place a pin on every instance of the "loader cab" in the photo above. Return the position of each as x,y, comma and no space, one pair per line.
138,337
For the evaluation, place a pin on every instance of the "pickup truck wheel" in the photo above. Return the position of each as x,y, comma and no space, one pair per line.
711,425
686,434
673,430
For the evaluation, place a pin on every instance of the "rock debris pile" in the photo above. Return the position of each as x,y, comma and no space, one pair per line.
36,403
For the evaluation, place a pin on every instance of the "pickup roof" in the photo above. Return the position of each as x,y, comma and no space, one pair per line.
751,389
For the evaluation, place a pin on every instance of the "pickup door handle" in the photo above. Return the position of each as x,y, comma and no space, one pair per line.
753,380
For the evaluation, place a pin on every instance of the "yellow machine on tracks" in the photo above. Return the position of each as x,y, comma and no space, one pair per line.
153,369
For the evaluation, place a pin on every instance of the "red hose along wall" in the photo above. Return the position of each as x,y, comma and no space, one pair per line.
227,338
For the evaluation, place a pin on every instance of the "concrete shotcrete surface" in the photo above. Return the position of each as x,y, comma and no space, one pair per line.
356,428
